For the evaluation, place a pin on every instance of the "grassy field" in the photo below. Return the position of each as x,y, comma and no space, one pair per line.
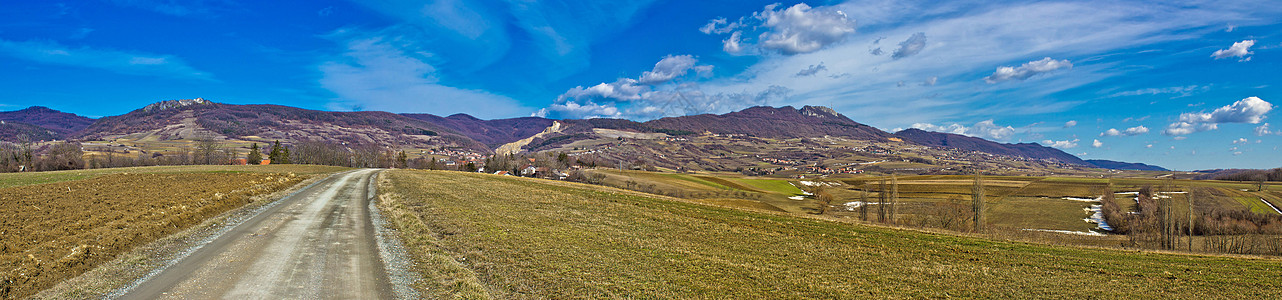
58,225
29,178
483,236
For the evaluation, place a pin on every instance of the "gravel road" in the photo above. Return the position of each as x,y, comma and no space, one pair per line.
318,243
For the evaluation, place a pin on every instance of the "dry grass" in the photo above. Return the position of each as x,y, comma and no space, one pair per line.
527,238
59,230
29,178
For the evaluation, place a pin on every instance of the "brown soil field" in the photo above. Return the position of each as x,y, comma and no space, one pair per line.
51,232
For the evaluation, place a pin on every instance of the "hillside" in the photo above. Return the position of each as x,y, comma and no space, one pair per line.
770,122
489,132
1121,165
1029,150
57,121
14,132
176,119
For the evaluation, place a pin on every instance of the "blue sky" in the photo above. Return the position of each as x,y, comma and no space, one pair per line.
1181,84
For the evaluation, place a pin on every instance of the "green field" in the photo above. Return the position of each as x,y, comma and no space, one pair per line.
772,185
483,236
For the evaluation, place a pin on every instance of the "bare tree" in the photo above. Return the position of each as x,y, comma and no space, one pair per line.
881,202
863,206
977,202
207,150
894,198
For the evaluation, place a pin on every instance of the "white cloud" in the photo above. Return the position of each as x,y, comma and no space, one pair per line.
1061,144
623,89
1240,49
1250,110
812,70
930,81
720,26
1240,141
1137,130
1097,144
1263,130
130,63
671,67
734,44
911,46
374,74
984,129
1070,124
1028,70
572,109
1180,91
793,30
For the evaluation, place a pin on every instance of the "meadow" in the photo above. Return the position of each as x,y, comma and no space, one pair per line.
480,236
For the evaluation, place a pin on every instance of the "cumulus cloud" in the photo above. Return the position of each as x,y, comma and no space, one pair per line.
812,70
654,95
1097,144
1061,144
624,89
720,26
671,67
793,30
660,103
1240,141
1263,130
122,62
911,46
1070,123
1028,70
587,110
734,43
1241,50
1251,110
984,129
1137,130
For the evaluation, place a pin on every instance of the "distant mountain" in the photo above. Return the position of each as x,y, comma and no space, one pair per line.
190,119
15,131
492,133
770,122
1118,165
59,122
1029,150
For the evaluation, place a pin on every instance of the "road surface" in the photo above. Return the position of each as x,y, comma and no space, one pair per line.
315,244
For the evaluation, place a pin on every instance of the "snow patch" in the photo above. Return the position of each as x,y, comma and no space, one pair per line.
1097,217
1090,233
796,197
1101,198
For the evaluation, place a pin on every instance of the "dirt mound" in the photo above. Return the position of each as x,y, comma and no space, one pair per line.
56,231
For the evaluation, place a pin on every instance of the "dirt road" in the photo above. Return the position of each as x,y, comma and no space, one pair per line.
318,243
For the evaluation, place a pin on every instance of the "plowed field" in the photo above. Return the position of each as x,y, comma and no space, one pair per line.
50,232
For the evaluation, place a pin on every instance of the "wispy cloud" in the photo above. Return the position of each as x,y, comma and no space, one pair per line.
374,73
123,62
1178,91
911,46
